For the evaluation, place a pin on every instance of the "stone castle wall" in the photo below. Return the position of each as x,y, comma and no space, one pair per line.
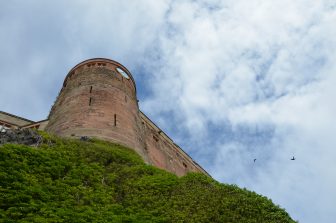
99,100
164,153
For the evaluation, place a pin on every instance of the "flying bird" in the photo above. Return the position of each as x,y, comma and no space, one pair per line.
293,158
254,160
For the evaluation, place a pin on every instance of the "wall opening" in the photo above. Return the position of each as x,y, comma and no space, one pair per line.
155,138
101,64
90,89
115,119
90,101
185,165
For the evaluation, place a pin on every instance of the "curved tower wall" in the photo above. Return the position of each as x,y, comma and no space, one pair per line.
97,100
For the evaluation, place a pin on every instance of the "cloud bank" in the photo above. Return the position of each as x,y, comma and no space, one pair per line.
230,81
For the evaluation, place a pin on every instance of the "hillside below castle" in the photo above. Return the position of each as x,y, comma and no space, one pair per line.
68,180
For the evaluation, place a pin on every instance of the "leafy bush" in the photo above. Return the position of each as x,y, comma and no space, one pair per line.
66,180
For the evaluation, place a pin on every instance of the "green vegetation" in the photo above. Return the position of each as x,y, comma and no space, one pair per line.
66,180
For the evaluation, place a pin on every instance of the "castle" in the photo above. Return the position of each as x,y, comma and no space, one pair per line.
98,99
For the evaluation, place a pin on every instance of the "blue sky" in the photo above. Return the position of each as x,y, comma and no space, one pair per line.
229,81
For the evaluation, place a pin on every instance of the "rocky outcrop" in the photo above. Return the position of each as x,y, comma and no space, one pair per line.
18,136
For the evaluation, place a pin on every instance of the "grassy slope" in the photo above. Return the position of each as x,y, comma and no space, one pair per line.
72,181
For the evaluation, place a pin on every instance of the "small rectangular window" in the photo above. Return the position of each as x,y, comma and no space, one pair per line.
115,119
90,101
91,89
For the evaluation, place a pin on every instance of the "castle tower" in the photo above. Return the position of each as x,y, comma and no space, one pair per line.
98,99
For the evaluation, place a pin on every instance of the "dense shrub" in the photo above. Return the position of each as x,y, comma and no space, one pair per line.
66,180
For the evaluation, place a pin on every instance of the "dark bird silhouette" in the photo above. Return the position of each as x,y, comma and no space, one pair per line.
254,160
293,158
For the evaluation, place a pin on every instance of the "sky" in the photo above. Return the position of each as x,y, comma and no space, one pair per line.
229,80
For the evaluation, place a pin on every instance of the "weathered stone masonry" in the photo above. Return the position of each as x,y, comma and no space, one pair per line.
98,99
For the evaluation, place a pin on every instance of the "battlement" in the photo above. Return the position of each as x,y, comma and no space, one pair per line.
100,63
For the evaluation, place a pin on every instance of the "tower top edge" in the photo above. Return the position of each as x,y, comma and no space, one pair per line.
103,60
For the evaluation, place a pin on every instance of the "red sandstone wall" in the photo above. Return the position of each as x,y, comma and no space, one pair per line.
164,153
97,101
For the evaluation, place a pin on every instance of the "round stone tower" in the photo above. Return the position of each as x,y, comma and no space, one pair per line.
98,99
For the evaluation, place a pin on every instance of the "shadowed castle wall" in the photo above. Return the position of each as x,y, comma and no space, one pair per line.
164,153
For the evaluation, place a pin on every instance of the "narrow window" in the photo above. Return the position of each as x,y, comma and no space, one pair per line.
90,101
90,89
185,165
115,119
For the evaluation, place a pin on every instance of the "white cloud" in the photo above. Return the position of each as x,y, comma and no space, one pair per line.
256,65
